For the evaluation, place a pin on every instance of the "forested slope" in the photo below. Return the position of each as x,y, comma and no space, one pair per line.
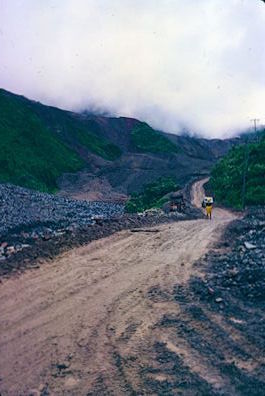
228,174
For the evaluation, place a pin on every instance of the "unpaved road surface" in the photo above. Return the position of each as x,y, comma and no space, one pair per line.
83,324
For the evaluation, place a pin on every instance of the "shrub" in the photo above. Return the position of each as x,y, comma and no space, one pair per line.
152,195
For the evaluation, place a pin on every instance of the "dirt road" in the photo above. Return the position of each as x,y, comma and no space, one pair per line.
68,327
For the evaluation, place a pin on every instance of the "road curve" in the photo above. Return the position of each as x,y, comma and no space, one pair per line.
64,325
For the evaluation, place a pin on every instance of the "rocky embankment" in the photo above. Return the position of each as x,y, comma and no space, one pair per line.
22,207
37,226
240,271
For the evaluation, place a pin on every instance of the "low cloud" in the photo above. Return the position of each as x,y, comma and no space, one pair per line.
194,65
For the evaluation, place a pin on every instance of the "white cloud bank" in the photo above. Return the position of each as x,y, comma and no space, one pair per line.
194,64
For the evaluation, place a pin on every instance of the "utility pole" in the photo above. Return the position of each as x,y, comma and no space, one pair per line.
255,121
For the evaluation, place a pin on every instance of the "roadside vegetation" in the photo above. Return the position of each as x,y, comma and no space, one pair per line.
146,139
152,195
227,176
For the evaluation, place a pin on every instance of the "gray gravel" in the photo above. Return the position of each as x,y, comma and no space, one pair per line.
239,272
23,207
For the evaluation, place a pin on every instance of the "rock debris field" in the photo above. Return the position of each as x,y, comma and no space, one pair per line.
27,216
39,225
239,273
20,207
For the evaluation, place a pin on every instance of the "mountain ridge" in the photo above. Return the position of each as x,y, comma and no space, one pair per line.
114,155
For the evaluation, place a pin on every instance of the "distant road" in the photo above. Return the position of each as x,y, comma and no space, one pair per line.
66,323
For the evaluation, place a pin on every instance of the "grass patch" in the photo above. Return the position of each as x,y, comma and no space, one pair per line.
146,139
98,146
81,132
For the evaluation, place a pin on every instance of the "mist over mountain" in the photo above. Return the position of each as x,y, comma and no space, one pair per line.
177,65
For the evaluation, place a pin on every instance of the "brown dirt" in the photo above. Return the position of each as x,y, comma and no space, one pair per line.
68,327
87,187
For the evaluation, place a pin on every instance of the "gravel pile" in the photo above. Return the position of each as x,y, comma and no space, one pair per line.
22,207
239,273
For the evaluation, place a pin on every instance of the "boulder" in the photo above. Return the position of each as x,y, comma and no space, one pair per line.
249,245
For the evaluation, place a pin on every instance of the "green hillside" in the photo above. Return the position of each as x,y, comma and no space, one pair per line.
146,139
227,176
76,131
99,146
32,155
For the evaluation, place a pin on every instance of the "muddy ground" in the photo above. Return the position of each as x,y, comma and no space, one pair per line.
173,310
28,247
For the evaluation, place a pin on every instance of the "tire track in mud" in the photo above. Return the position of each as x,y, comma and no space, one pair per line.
91,321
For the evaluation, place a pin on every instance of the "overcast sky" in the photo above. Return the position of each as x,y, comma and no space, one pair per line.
177,64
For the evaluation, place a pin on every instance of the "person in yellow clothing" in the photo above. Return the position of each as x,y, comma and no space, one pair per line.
207,204
209,208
